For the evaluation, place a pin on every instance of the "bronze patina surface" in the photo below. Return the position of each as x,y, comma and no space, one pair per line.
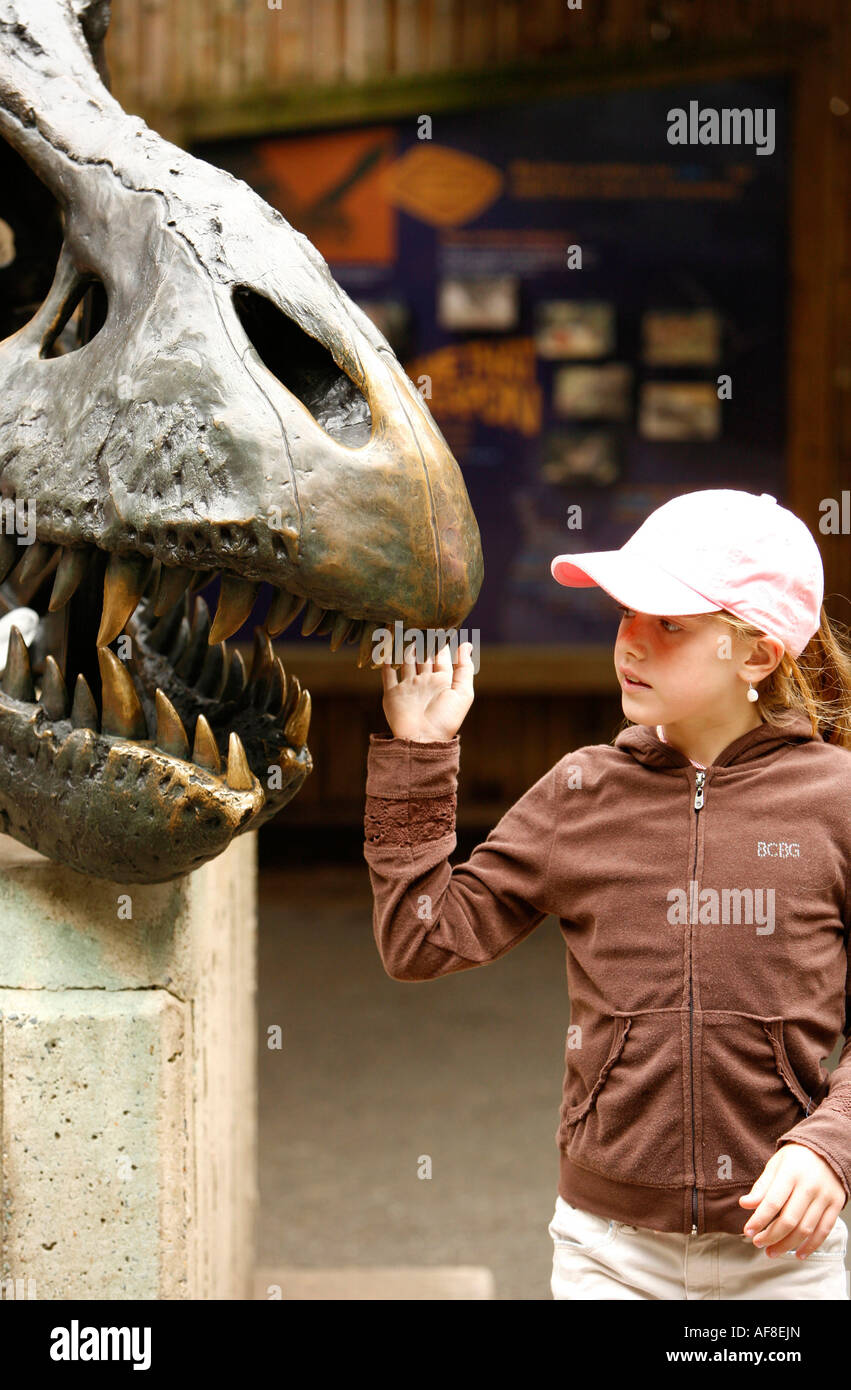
187,394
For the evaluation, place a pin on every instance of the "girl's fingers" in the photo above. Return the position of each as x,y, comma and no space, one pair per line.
824,1223
463,674
442,661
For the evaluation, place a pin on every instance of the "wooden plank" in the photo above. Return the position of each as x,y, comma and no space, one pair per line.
290,46
225,74
624,23
205,75
506,23
408,42
476,28
325,60
255,20
358,37
440,43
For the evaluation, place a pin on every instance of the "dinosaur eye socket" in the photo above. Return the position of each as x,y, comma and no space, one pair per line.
306,368
82,316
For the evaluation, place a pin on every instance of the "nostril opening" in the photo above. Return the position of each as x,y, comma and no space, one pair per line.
306,368
82,316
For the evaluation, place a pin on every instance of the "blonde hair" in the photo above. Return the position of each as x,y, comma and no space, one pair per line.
816,683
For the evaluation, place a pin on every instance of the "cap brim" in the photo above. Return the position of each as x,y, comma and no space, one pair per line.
636,583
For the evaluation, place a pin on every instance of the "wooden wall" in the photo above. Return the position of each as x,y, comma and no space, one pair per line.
211,68
226,63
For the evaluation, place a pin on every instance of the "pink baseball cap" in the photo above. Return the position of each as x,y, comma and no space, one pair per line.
705,551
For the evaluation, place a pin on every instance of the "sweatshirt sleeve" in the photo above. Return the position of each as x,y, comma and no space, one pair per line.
828,1129
430,919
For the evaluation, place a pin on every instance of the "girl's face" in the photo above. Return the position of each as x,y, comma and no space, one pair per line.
692,668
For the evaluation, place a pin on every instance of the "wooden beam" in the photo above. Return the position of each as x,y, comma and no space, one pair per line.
306,106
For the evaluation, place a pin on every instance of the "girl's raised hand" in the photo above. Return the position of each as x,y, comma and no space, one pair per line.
428,702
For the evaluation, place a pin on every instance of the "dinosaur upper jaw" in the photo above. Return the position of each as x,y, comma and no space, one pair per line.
177,751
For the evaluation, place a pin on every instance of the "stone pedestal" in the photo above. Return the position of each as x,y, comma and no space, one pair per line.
127,1081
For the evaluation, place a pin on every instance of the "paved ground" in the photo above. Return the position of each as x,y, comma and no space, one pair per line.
374,1074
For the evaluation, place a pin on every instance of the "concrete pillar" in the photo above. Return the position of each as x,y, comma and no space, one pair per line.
127,1081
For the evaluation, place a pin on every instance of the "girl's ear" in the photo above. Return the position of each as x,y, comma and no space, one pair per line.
766,655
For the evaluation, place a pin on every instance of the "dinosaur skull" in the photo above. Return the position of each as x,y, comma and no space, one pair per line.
227,410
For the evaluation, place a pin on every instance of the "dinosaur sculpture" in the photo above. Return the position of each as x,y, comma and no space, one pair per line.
194,397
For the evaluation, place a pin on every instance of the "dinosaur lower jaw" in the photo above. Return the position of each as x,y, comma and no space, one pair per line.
186,750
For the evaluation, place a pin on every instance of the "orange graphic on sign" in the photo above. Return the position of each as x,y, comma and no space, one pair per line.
442,186
492,383
330,188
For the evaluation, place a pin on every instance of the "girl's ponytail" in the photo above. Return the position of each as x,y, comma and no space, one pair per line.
816,683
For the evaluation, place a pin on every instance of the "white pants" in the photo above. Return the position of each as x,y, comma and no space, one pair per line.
594,1257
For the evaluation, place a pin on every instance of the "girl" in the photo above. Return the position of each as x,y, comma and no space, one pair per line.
699,869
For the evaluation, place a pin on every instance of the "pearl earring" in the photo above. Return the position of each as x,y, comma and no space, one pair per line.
752,694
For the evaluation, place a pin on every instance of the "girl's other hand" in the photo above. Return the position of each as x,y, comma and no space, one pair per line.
797,1198
428,702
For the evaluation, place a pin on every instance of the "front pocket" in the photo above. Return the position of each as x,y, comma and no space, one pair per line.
630,1126
573,1228
747,1094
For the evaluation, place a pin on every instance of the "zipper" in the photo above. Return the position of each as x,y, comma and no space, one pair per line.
700,778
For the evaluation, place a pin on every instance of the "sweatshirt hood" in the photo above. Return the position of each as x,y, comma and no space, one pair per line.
644,744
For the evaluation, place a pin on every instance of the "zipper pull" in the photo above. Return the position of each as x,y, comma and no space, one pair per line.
693,1229
698,795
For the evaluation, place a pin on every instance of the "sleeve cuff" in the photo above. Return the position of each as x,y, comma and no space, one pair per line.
398,768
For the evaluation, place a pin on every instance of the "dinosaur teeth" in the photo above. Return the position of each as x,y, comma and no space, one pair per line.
54,696
35,560
9,554
171,735
329,618
205,750
173,583
123,584
366,643
238,775
163,633
69,574
190,664
84,711
296,727
122,715
235,682
178,646
293,694
339,630
263,657
201,577
283,608
17,676
153,581
313,616
287,760
236,601
213,673
277,688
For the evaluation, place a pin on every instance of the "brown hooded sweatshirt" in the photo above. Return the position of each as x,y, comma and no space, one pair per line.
706,918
